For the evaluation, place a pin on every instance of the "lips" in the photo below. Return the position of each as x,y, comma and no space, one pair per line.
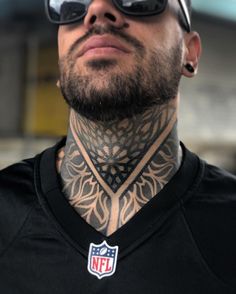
105,42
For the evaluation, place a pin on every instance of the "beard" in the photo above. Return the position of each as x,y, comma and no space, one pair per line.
107,95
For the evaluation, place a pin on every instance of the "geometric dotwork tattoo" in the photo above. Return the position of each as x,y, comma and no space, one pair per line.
79,180
152,180
110,170
115,150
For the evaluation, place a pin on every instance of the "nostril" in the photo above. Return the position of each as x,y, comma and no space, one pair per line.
93,19
107,15
110,16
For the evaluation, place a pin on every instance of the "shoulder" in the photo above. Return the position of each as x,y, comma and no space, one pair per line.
218,183
16,173
211,216
17,181
17,196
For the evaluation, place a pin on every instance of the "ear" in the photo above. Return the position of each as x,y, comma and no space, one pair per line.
193,49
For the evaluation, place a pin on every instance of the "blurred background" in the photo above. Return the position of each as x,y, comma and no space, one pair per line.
33,114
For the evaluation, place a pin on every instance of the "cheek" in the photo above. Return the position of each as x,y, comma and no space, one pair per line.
151,36
65,40
61,43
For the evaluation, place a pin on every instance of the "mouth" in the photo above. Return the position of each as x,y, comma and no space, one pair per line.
103,45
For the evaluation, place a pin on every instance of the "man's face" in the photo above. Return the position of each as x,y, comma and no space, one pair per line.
114,66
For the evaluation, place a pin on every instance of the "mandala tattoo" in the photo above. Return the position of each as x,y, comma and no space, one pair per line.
116,150
110,172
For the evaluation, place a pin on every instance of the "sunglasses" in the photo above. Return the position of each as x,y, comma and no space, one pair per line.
69,11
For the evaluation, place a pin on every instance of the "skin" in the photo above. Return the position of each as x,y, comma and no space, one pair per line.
110,170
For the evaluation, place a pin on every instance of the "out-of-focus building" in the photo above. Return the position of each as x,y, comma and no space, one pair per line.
33,113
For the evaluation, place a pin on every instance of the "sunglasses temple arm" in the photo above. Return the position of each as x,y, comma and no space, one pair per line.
186,13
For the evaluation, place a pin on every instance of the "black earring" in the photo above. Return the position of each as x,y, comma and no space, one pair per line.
190,68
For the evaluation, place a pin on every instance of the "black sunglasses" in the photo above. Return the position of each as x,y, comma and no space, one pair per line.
69,11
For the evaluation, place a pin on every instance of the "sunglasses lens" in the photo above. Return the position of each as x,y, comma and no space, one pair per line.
139,7
66,10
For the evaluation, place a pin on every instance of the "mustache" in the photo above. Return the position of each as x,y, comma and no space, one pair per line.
99,30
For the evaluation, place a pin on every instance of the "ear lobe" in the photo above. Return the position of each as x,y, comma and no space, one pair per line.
189,70
58,84
193,49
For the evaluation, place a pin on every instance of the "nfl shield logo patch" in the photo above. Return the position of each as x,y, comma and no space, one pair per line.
102,260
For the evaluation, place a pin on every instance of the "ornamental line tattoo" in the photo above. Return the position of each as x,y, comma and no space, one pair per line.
110,170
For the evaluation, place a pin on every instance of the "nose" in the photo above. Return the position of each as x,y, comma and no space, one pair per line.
103,12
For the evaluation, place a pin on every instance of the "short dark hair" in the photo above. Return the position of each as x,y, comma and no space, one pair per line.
181,16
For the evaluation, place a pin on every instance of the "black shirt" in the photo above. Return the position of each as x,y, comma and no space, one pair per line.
183,241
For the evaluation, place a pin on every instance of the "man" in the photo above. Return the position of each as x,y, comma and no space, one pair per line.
119,206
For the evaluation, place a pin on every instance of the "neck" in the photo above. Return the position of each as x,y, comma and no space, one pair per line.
110,170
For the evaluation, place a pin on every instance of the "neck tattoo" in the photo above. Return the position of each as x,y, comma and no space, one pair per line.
110,170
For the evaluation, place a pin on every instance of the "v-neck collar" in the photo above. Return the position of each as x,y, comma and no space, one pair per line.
147,221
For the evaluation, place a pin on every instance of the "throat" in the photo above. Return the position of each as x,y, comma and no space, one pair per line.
110,170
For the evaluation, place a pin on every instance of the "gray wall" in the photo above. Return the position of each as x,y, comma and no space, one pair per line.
208,104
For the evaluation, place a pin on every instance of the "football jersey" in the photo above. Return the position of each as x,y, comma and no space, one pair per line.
183,241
